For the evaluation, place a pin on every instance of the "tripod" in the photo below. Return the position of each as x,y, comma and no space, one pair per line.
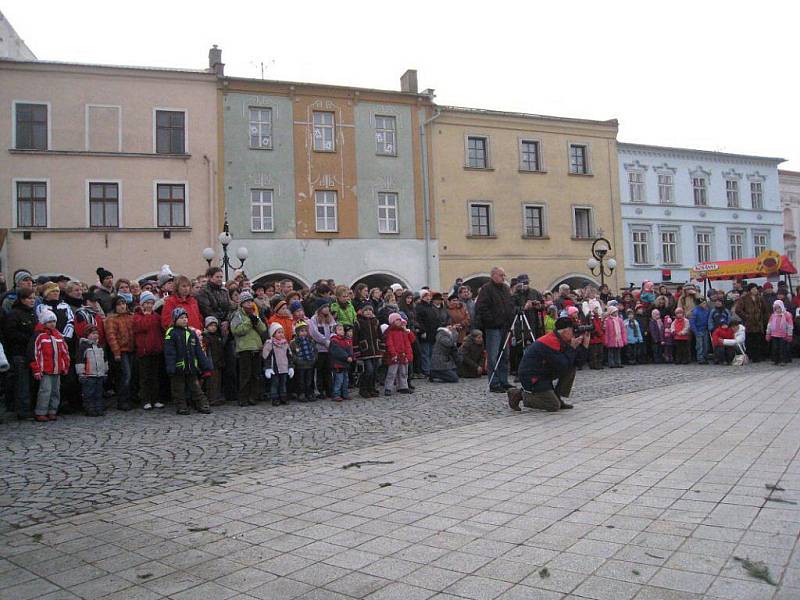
520,316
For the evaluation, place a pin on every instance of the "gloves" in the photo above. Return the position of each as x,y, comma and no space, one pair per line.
269,373
253,319
291,372
206,374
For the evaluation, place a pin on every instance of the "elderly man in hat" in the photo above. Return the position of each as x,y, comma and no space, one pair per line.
22,280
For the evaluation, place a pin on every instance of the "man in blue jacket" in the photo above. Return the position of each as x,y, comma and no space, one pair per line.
698,321
547,369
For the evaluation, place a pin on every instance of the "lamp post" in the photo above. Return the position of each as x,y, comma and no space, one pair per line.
598,264
225,239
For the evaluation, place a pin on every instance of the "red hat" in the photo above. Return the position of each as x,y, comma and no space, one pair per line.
768,286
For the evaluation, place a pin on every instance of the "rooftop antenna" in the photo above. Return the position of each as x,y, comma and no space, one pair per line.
262,65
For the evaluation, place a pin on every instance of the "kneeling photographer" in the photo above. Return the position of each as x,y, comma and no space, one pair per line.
547,369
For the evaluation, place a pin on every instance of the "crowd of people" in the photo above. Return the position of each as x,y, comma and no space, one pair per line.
70,346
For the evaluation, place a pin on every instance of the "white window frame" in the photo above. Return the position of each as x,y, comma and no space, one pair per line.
325,126
677,232
87,131
587,157
743,233
379,130
703,188
670,187
767,240
49,204
539,155
732,191
381,194
487,152
592,227
260,125
489,219
14,125
757,180
648,232
87,184
641,185
262,204
335,205
185,112
186,195
710,233
543,209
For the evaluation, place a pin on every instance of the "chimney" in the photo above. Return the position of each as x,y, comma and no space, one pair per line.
215,63
408,82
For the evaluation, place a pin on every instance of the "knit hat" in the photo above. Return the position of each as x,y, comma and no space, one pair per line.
22,276
322,302
366,306
177,313
394,318
384,327
49,287
523,278
778,304
300,325
296,305
564,323
245,297
47,315
165,275
395,287
102,273
277,307
572,310
147,297
211,319
768,286
274,327
612,310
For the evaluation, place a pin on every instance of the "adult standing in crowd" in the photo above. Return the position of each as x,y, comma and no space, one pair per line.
494,312
182,298
106,289
750,309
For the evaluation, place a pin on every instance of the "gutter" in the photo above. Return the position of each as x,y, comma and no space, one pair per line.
426,199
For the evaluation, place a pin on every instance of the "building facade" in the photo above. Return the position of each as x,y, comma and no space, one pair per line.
11,45
106,166
682,207
789,183
327,182
525,192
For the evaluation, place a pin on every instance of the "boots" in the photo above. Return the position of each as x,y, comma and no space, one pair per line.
514,398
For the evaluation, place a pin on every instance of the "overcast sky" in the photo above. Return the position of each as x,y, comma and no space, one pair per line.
710,75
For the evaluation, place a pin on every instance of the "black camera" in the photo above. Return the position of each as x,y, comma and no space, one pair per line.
581,329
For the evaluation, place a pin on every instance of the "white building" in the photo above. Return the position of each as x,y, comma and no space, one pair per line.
681,207
790,203
11,45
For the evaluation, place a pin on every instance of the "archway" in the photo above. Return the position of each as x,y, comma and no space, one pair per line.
277,276
475,282
574,281
379,280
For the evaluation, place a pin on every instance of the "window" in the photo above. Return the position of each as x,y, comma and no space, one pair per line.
479,219
261,128
760,242
578,164
387,212
732,192
703,241
757,195
31,126
386,135
700,191
665,189
736,243
534,221
583,222
529,156
261,218
171,199
31,204
477,155
170,132
103,204
641,246
324,132
636,185
669,246
325,202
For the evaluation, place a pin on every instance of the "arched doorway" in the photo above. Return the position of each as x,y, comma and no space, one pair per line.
380,280
574,282
475,283
277,277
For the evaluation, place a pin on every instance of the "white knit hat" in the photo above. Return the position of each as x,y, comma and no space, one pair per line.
46,316
274,327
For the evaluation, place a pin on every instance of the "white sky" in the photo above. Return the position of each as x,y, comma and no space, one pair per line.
702,74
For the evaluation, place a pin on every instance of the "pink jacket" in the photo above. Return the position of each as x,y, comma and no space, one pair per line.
780,326
615,334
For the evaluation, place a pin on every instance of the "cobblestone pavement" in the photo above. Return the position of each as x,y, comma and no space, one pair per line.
643,496
80,464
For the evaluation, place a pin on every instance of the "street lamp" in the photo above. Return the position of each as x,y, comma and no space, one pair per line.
597,263
225,239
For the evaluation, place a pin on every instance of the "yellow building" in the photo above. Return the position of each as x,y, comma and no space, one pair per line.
525,192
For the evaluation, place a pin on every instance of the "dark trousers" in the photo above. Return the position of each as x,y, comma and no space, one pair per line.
658,352
230,373
184,387
92,389
148,378
122,376
324,375
683,352
779,350
755,343
446,375
249,377
551,399
212,387
634,354
724,354
614,357
305,382
23,384
277,386
595,356
367,382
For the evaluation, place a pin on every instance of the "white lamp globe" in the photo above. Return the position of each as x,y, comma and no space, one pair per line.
612,263
225,238
208,253
592,263
242,253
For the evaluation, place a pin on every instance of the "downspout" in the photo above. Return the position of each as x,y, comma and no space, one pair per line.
211,201
426,199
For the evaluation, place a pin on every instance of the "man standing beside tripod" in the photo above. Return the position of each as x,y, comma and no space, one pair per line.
494,311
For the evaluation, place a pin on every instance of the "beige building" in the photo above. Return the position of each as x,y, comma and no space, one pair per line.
789,182
525,192
106,166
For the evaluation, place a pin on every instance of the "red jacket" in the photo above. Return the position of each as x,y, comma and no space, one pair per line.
681,328
398,346
148,334
597,335
721,333
84,317
50,352
189,304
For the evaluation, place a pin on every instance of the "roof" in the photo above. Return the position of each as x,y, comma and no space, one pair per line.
330,86
55,63
787,172
521,115
696,151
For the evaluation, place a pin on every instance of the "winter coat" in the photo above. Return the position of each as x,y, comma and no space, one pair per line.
367,338
597,335
120,334
680,329
189,304
344,314
656,332
104,298
633,332
545,361
470,358
183,353
247,332
404,306
549,324
18,328
398,346
494,308
91,360
698,321
428,322
780,325
752,312
214,348
147,332
387,309
321,331
304,350
87,316
739,337
721,333
65,318
717,317
277,356
445,352
50,352
214,301
341,349
615,334
286,322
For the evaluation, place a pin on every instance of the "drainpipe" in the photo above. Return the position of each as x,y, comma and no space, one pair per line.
212,235
426,199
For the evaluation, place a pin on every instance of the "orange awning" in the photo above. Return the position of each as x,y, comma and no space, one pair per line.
766,264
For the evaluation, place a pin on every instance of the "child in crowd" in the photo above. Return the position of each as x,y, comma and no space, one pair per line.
656,329
341,356
121,341
50,362
92,368
283,317
278,363
445,355
615,337
779,333
215,350
471,354
149,349
186,363
247,329
343,310
398,356
680,333
550,318
669,339
369,348
723,355
698,323
596,340
634,348
304,350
